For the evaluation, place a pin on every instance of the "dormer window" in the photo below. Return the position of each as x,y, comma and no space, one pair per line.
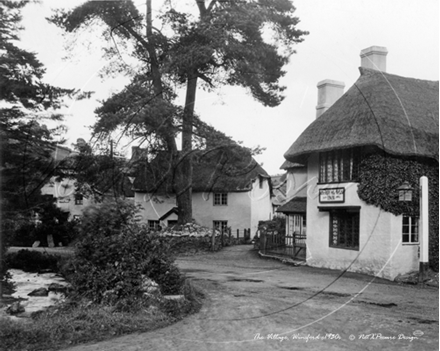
339,166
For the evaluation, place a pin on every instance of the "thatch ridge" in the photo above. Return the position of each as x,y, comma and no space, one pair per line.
213,173
397,114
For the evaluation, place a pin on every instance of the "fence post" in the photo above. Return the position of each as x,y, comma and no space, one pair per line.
229,232
263,242
238,233
221,233
213,239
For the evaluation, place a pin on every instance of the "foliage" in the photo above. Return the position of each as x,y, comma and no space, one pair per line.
114,254
79,322
242,43
51,221
96,171
381,175
277,224
26,143
32,261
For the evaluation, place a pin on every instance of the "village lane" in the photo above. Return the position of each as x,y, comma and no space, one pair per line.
262,304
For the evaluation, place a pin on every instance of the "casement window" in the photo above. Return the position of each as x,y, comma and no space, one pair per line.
221,225
344,229
153,225
339,166
410,229
220,199
79,199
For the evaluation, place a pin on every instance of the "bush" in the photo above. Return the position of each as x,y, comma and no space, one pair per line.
53,221
32,261
114,254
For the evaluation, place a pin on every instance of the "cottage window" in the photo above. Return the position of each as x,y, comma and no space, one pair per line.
344,229
221,225
410,229
220,199
78,199
153,225
338,166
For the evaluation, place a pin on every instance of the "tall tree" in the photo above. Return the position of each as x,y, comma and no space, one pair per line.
25,102
229,42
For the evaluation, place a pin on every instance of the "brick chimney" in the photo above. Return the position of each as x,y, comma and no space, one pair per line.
374,57
328,92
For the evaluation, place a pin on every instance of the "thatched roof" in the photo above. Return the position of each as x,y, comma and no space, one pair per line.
296,205
215,171
397,114
288,165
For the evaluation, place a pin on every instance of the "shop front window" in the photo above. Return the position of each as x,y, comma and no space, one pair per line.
344,229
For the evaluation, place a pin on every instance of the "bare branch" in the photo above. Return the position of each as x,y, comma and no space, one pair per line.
206,79
211,5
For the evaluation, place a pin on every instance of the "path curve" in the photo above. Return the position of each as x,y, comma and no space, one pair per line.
260,304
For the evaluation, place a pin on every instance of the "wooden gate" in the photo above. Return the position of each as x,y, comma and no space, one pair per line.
280,244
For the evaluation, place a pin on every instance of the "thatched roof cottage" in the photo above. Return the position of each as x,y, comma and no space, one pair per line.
362,146
229,189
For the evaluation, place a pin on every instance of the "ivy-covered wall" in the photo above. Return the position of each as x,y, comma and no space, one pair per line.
380,175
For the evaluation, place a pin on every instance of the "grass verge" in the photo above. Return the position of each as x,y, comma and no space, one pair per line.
78,322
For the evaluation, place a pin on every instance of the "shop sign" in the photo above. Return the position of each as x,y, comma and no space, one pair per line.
332,195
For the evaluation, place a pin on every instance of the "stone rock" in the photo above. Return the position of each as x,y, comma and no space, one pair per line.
179,298
149,286
408,278
15,308
50,241
432,282
55,287
39,292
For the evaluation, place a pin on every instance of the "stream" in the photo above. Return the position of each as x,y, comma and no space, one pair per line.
25,283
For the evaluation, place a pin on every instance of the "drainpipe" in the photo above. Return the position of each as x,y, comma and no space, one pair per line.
424,229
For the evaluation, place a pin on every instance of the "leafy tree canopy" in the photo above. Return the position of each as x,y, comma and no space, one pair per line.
229,42
26,102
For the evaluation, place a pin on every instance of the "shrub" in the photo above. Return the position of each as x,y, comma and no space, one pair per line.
53,221
32,261
114,253
381,175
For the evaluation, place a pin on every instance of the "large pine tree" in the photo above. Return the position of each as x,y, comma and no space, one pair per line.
229,42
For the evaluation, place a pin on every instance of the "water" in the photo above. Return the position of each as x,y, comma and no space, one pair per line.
27,282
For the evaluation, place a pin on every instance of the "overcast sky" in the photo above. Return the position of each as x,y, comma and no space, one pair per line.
339,30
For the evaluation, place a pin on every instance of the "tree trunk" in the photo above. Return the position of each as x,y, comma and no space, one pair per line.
184,170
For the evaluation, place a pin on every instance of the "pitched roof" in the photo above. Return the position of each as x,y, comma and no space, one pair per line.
212,172
296,205
287,165
399,115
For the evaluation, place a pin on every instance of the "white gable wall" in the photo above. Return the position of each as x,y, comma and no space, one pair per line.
261,205
381,252
237,212
243,211
64,192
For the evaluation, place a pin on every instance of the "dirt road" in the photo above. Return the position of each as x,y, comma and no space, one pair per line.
260,304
